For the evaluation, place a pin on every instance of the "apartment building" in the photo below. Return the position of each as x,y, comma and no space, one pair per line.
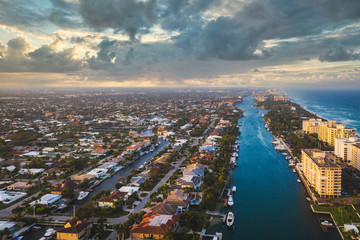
344,148
327,131
355,155
321,172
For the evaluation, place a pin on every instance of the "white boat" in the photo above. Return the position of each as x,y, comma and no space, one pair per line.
61,206
230,201
326,223
299,181
285,154
262,115
82,195
49,232
152,148
230,219
233,189
294,171
308,199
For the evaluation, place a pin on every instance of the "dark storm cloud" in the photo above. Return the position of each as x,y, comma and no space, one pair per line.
241,36
44,59
338,53
126,15
223,38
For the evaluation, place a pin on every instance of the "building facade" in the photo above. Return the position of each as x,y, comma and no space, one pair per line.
327,131
344,148
321,172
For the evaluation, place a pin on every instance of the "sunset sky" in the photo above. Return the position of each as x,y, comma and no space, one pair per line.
180,43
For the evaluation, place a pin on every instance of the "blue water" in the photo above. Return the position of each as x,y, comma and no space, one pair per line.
269,203
339,105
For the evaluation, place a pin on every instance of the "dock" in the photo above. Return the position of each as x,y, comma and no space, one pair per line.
218,235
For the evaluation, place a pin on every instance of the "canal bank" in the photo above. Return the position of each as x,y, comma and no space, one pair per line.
110,182
269,202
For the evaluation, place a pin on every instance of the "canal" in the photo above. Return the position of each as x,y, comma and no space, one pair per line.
269,202
110,182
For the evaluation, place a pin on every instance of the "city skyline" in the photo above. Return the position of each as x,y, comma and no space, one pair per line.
179,43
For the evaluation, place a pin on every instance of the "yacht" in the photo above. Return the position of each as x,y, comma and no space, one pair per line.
233,189
230,219
294,171
299,181
82,195
308,199
152,148
61,206
49,232
230,201
326,223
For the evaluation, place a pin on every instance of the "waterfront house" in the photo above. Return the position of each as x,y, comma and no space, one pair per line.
110,200
178,198
67,183
189,181
154,226
164,208
75,229
137,180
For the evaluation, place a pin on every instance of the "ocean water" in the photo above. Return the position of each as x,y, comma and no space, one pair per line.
269,203
340,105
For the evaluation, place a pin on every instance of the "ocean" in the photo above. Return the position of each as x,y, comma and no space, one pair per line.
340,105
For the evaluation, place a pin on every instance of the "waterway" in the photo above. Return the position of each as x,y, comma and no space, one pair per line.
110,182
269,203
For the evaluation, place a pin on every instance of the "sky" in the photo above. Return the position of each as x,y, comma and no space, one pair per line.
180,43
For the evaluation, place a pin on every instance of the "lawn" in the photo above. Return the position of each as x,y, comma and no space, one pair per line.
341,215
117,214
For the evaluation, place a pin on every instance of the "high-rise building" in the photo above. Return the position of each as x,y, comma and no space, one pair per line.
343,148
321,172
355,155
327,131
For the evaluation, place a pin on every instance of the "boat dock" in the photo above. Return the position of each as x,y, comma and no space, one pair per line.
218,235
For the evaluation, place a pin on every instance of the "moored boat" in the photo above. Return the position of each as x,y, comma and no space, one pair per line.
230,201
230,219
299,181
233,189
82,195
49,232
327,223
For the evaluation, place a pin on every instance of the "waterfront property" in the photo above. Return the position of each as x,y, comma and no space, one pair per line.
154,226
348,150
75,229
321,172
327,131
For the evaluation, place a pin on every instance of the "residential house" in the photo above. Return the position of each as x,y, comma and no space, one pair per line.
75,229
154,226
189,181
110,200
178,198
21,186
64,184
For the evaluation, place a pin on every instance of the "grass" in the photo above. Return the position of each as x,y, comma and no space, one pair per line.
347,216
117,214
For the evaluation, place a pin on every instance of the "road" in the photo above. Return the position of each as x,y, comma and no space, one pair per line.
143,202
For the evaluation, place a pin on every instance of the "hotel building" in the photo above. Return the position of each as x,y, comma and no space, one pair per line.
328,131
321,172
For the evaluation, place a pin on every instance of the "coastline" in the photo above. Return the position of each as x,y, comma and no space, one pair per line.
307,187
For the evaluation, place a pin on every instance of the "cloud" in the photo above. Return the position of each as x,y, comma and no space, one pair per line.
127,15
18,57
338,53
